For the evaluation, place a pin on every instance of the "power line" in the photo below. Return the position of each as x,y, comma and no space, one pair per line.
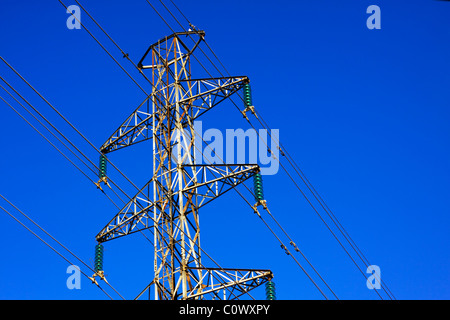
99,43
258,135
54,239
338,225
127,56
181,230
172,31
285,248
282,244
291,242
8,104
53,134
86,177
48,245
160,17
68,122
60,142
47,120
321,202
222,160
134,81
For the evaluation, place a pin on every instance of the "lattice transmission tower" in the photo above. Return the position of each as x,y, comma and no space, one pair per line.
168,204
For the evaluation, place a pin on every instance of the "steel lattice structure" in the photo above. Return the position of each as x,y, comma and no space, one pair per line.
169,203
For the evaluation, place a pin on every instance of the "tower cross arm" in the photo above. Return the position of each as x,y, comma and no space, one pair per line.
201,95
135,216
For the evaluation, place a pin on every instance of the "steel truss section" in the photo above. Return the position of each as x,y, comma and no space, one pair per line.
205,184
226,284
197,97
219,283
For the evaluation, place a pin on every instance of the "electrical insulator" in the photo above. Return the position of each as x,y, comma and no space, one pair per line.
102,166
98,261
258,187
270,290
247,95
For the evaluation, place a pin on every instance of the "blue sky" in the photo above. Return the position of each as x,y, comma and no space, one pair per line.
363,112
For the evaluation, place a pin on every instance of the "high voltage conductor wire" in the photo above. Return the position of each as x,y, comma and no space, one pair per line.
243,183
52,144
125,55
166,24
48,245
54,239
120,66
128,75
180,230
8,104
81,172
43,117
15,110
58,242
326,224
121,49
79,169
286,249
326,208
320,200
321,218
75,129
68,122
106,50
283,246
62,143
307,183
308,186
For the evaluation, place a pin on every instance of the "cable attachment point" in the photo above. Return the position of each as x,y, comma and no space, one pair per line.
262,203
248,101
192,27
258,192
100,274
249,108
102,172
285,249
93,279
255,210
104,180
292,243
281,151
271,153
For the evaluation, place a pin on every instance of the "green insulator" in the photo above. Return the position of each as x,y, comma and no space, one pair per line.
258,187
271,297
247,95
98,260
270,290
102,166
